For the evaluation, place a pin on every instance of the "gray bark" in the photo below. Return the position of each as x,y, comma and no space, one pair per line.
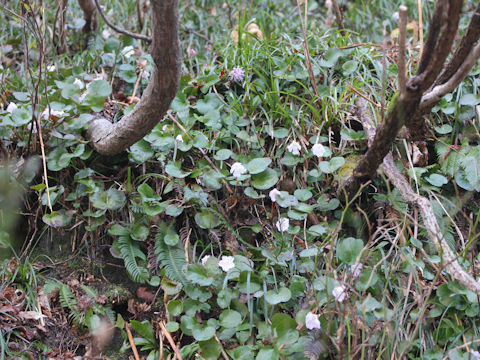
108,138
89,14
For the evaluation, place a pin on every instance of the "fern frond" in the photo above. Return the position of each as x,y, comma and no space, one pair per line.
130,251
171,258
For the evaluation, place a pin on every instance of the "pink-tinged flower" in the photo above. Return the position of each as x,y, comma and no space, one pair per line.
294,148
340,293
50,112
12,106
475,353
205,259
312,322
237,169
356,270
226,263
282,224
237,74
191,52
79,83
145,75
273,194
318,150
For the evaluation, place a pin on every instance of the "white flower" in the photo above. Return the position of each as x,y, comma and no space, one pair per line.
205,259
318,150
32,127
127,51
294,148
237,169
179,138
106,34
226,263
312,322
82,97
145,74
396,16
282,224
339,293
51,68
12,106
79,83
356,270
46,113
476,354
273,194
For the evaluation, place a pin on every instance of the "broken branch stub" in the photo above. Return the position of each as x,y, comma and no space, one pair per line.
89,14
108,138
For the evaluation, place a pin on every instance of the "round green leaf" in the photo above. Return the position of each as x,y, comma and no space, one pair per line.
198,275
172,326
303,194
203,333
258,165
112,199
265,180
230,318
100,88
206,219
175,307
173,169
222,154
349,249
273,297
141,151
437,180
284,326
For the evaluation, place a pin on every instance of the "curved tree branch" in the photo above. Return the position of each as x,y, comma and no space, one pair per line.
117,29
108,138
434,231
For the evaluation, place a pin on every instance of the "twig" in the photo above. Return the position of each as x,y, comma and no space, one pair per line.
420,26
224,354
364,97
402,72
170,340
139,14
303,21
121,31
433,96
384,72
130,340
338,17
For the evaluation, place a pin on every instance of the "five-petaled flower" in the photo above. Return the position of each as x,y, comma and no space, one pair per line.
318,150
294,148
340,293
312,322
226,263
237,74
237,169
273,194
205,259
356,270
282,224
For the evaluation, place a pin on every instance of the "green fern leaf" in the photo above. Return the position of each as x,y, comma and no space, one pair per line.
171,258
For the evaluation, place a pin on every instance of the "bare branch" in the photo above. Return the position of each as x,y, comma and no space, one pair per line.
117,29
108,138
338,16
434,231
433,96
402,72
470,37
445,34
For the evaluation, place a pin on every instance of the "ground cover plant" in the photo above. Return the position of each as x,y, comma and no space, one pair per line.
245,224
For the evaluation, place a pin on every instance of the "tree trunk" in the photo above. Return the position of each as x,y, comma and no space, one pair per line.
89,14
108,138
